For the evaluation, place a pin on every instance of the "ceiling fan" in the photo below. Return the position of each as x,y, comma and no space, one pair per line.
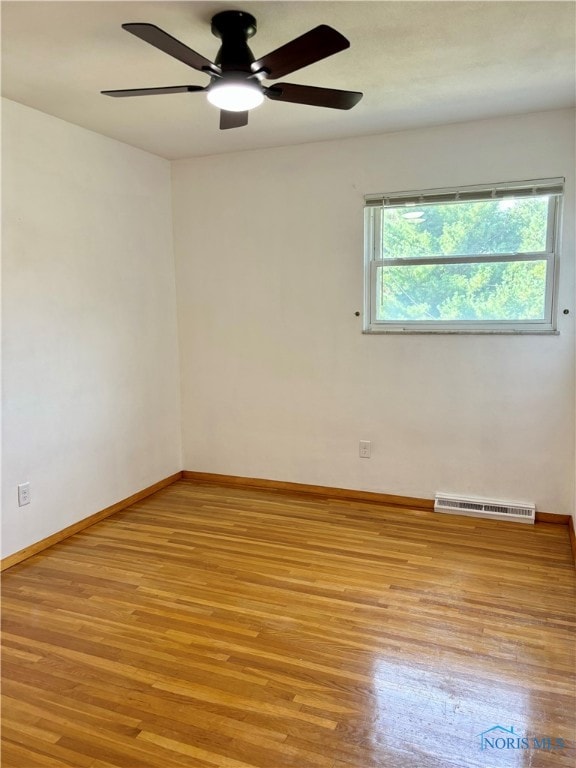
236,76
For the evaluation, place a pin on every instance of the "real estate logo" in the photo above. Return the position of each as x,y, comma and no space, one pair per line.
498,737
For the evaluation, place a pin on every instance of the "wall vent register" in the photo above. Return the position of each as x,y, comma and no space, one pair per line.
492,509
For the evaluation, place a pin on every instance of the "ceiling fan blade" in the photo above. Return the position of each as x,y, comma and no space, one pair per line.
315,97
155,91
310,47
232,119
152,34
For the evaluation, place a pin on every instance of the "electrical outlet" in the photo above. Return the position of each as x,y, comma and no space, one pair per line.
365,448
23,494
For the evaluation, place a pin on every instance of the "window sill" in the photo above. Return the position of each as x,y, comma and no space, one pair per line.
459,332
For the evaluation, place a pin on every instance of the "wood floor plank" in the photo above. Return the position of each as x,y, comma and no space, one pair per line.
221,627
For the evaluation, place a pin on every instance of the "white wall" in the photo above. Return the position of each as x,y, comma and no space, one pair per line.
279,382
277,379
91,388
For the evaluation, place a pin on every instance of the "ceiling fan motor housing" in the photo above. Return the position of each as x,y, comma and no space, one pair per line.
234,28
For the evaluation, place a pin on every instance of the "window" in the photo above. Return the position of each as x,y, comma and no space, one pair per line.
475,259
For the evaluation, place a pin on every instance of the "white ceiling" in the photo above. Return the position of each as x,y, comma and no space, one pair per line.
418,63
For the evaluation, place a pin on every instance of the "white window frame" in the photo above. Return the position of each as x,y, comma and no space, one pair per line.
373,212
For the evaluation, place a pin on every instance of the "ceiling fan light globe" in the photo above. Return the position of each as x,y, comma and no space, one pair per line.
235,97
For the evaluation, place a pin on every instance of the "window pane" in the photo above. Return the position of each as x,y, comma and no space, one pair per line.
442,292
461,229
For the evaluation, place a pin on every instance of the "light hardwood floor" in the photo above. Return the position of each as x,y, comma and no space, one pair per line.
218,627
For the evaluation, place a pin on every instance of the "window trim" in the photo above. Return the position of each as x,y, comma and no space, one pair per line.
374,206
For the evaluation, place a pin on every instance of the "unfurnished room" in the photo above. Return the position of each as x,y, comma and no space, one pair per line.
288,384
